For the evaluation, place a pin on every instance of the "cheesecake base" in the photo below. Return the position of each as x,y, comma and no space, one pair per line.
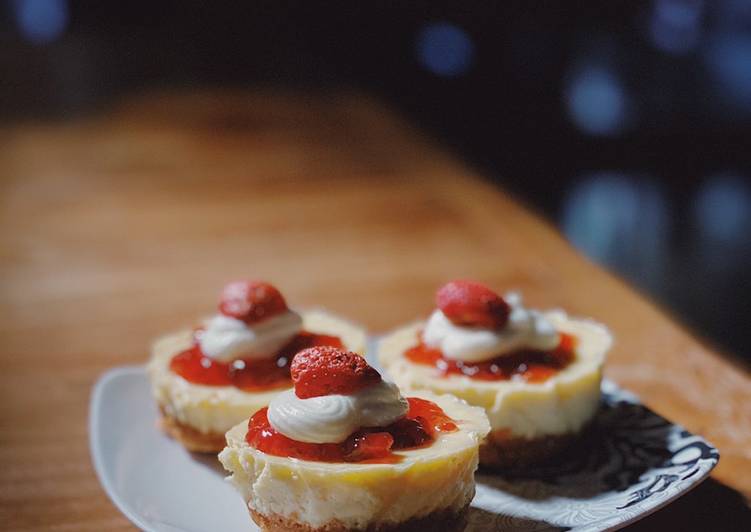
502,451
191,438
438,521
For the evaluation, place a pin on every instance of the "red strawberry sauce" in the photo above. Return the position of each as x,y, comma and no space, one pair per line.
530,364
249,375
370,445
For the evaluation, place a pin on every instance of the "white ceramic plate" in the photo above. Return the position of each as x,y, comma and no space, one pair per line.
634,463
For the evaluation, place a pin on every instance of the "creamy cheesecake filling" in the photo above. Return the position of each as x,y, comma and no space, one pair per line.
332,418
434,478
562,404
216,409
525,328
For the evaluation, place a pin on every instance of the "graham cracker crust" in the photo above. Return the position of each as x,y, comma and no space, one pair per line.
438,521
192,439
502,451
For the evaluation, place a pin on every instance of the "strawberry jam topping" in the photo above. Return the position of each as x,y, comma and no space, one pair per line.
417,429
528,364
249,374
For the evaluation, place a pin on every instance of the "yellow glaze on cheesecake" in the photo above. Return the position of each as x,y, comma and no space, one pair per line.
350,496
517,410
213,410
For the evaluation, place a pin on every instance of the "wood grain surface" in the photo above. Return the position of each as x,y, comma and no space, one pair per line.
125,225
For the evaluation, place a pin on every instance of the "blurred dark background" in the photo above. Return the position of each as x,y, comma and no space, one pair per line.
628,124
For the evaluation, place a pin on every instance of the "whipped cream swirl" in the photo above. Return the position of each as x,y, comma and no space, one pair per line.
525,329
332,418
227,339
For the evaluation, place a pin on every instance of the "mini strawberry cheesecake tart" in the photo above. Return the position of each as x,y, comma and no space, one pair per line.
344,450
207,379
536,374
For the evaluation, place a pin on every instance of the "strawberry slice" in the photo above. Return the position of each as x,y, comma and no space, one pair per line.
251,301
472,304
326,370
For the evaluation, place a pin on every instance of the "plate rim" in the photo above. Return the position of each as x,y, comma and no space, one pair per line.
95,453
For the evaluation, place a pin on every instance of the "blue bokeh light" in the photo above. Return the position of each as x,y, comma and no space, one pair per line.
596,101
621,221
445,49
675,25
723,209
41,21
728,60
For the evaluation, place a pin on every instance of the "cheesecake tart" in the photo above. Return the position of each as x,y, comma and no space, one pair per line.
344,450
209,378
536,374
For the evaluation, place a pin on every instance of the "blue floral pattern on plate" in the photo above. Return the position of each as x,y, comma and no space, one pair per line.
631,463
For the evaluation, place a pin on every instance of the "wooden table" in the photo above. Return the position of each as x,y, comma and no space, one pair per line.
123,226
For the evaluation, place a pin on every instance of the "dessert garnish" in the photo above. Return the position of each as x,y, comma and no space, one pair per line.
250,343
341,410
477,333
472,304
328,370
251,301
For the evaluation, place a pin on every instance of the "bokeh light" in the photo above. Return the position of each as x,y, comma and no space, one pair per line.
675,25
41,21
445,49
596,101
723,209
728,60
621,221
